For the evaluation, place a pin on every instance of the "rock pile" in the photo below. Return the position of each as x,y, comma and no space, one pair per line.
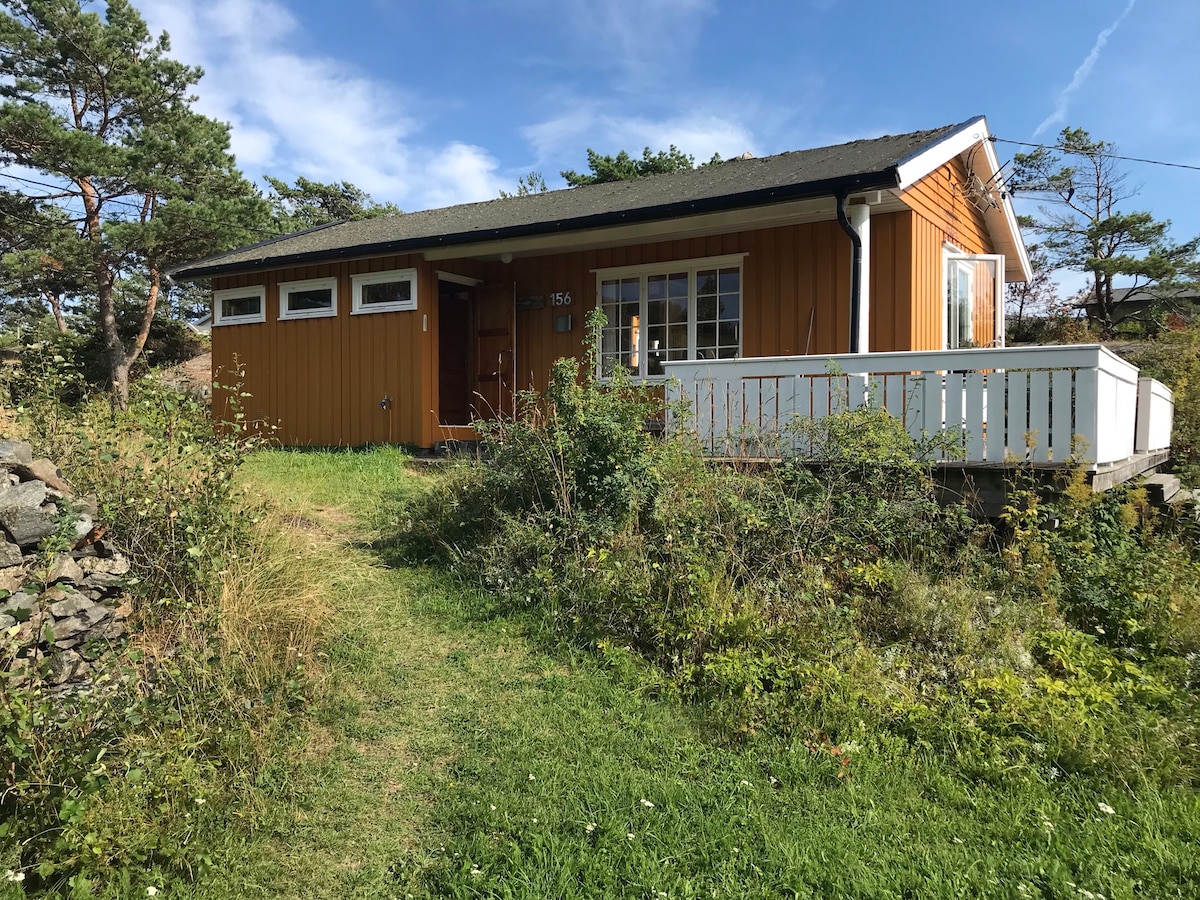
62,603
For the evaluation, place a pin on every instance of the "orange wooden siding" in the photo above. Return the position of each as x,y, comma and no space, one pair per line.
795,289
322,380
943,214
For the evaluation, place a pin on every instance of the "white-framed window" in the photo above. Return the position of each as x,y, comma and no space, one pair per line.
974,288
690,309
240,306
309,299
392,291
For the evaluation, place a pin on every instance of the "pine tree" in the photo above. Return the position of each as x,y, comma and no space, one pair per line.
117,175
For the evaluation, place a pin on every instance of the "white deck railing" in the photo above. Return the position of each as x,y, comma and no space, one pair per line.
1042,404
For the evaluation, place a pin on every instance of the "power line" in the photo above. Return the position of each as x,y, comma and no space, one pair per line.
72,196
1139,159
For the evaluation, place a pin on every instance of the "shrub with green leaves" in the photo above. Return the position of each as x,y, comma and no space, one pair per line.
830,593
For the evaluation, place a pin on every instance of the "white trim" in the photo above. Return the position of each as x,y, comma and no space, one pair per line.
253,290
311,284
455,278
934,157
642,272
358,282
675,265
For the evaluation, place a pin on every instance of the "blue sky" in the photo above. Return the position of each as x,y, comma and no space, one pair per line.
430,103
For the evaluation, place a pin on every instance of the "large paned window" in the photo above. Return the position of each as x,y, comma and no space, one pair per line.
658,313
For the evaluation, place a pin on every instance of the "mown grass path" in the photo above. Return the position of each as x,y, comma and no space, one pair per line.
447,755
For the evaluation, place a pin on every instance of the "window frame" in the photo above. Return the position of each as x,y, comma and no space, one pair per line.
241,293
308,284
954,259
358,282
668,267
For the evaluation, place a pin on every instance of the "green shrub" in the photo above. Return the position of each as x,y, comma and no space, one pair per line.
830,593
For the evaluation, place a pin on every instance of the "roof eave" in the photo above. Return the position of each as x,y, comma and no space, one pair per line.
880,180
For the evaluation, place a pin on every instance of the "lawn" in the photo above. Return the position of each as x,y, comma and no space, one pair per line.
450,751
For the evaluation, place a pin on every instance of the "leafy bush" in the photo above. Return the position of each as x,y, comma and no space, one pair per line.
831,594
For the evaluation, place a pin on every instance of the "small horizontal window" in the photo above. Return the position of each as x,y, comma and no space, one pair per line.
239,306
392,291
308,299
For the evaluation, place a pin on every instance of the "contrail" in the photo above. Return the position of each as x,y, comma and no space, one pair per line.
1082,73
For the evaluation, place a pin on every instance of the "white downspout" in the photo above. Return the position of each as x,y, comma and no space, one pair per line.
860,221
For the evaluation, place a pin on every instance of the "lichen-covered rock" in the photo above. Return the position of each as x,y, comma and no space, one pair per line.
116,564
10,554
27,526
20,606
15,453
65,606
25,495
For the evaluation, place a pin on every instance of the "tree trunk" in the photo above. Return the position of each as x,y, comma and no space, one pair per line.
114,350
56,308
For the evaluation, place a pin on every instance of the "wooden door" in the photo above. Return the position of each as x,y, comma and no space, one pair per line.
495,349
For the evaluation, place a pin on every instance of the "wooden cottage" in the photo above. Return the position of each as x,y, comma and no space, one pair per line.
404,329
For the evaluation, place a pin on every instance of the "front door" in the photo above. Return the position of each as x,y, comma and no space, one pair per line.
495,349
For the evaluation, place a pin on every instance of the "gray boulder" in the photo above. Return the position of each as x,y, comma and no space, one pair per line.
22,496
27,526
10,554
15,453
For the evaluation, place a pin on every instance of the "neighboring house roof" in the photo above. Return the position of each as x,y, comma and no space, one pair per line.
1129,302
885,163
203,325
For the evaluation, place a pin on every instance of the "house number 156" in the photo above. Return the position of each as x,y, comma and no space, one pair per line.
560,298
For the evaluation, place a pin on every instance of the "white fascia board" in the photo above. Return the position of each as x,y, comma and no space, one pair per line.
933,157
1021,254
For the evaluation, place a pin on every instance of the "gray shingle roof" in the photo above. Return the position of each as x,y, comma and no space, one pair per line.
738,183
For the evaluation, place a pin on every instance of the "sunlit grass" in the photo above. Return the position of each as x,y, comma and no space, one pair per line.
455,754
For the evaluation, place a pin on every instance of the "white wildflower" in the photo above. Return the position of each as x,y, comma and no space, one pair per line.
535,821
957,839
646,803
744,783
10,875
200,801
1105,808
476,871
590,827
531,778
152,891
629,834
1047,824
492,806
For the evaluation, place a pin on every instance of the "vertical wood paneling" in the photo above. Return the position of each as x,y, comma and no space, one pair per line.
943,213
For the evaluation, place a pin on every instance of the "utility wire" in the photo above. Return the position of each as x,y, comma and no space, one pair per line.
130,204
1139,159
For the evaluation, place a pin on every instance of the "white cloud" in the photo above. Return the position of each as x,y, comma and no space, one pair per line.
643,39
561,140
1081,74
297,112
